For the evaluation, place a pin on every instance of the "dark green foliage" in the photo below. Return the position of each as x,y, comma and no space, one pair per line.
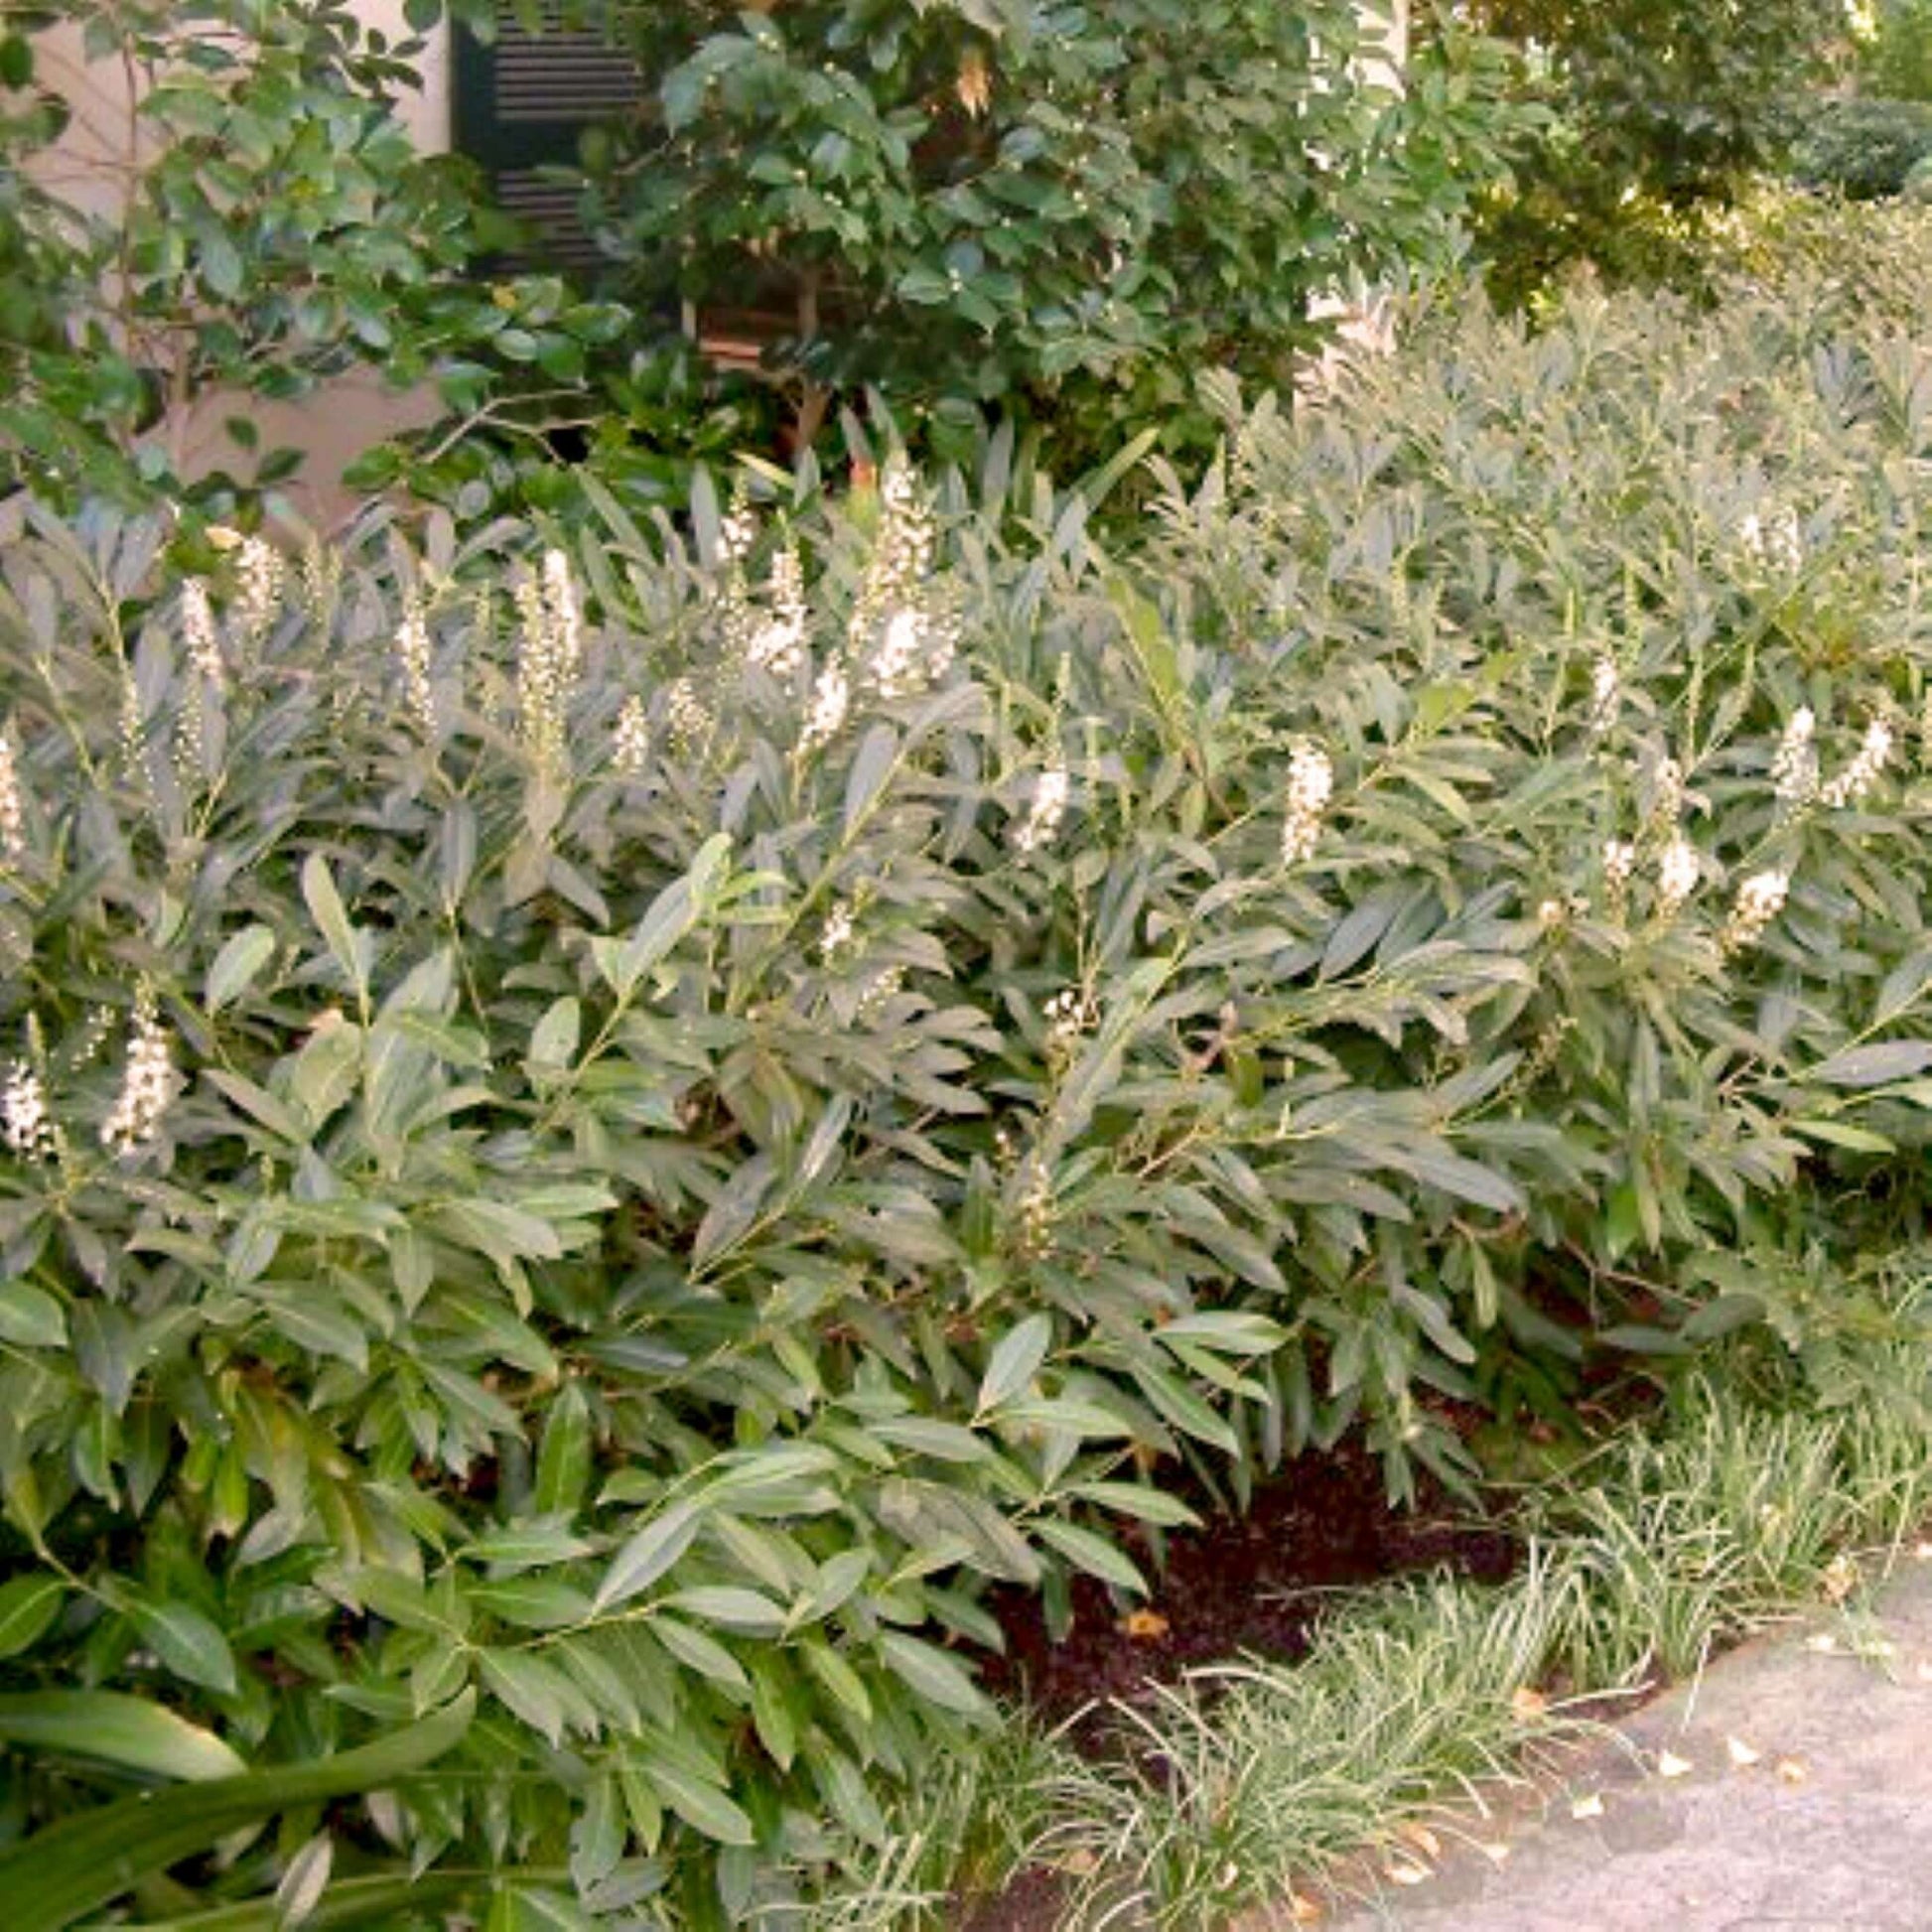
1653,104
1673,99
1864,149
548,1158
1059,211
1065,210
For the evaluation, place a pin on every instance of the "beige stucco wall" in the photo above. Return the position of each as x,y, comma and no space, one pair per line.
339,422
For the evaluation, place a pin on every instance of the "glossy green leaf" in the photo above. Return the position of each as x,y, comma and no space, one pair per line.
28,1606
77,1865
128,1732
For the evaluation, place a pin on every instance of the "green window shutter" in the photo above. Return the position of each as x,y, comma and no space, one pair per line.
521,101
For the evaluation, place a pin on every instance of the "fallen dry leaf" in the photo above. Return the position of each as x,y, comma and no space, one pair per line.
1922,1551
1741,1754
1527,1706
1144,1626
1405,1873
1793,1770
1589,1807
1669,1765
1303,1911
1824,1643
1925,1670
974,86
1840,1578
1422,1838
1492,1849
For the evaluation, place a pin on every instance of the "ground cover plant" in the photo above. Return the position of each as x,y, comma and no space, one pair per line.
605,1125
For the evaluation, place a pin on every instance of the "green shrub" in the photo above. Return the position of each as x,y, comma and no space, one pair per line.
254,225
616,1128
1919,183
1864,149
1063,212
1655,111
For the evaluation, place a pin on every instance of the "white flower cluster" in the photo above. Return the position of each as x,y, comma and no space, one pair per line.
551,658
1794,765
737,531
900,635
1666,794
1070,1012
902,555
190,739
897,667
566,612
258,587
1760,899
1310,785
413,658
686,715
1033,1220
1676,876
831,703
880,990
1605,695
13,803
1779,542
1041,825
1857,777
630,738
738,618
25,1124
322,576
147,1085
199,634
777,645
838,935
133,730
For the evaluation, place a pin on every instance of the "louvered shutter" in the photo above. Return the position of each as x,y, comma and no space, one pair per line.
522,101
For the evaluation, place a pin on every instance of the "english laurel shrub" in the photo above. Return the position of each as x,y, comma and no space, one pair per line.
603,1129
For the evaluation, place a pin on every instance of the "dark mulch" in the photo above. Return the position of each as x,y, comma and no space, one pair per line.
1252,1583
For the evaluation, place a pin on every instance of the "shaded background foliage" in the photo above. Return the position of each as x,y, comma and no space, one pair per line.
1058,211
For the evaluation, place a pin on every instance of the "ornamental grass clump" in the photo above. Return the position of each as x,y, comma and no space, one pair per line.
570,1233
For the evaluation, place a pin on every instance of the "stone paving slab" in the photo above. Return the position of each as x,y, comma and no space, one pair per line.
1830,1831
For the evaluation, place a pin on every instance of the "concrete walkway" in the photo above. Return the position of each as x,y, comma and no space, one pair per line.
1828,1830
